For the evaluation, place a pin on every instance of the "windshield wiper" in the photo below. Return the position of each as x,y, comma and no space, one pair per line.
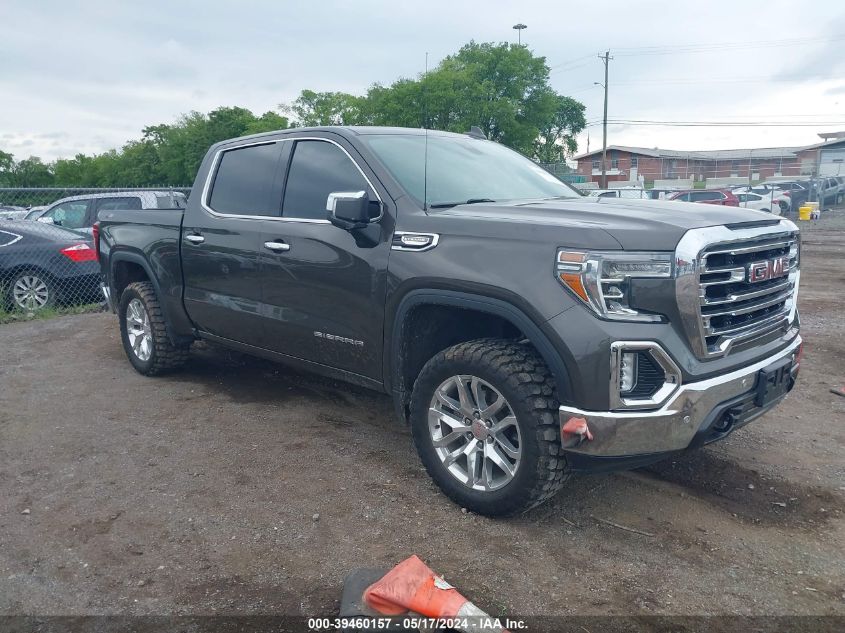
447,205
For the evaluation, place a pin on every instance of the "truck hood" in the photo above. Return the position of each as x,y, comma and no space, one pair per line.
633,224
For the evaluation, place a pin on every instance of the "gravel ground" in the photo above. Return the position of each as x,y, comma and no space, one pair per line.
240,487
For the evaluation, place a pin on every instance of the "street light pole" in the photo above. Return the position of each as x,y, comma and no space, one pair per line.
519,28
605,58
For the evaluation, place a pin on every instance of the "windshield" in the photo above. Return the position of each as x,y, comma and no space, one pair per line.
463,169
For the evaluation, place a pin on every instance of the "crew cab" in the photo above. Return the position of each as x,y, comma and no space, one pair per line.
524,331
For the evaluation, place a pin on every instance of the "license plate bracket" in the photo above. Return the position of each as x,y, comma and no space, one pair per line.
773,382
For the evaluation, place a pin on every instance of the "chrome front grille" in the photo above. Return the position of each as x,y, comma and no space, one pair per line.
729,308
732,308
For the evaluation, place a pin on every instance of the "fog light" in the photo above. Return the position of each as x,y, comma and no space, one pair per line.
628,372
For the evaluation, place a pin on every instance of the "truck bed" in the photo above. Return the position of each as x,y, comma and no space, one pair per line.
149,240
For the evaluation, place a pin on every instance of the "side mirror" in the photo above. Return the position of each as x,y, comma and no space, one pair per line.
348,209
46,220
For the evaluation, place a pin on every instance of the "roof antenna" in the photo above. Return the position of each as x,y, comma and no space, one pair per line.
476,132
425,127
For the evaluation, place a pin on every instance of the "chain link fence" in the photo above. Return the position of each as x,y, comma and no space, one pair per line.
47,256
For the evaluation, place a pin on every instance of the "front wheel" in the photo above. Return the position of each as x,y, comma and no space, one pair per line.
485,423
144,333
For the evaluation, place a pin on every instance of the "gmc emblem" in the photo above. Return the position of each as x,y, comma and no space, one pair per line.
768,269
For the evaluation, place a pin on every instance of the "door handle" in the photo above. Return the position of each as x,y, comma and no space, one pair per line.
195,239
279,247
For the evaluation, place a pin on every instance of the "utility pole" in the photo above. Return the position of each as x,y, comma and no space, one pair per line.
606,59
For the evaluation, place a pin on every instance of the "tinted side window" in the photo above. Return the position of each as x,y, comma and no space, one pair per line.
317,169
113,204
245,179
70,215
706,195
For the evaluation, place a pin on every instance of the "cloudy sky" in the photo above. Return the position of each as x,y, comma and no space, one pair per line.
86,76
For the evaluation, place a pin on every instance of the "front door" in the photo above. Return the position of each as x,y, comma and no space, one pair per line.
222,243
323,287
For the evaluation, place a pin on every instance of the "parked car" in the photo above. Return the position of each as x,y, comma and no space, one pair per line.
723,197
798,192
12,213
758,202
762,198
80,212
618,193
42,266
829,191
524,331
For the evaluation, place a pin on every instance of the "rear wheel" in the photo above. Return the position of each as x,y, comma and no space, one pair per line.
144,334
31,291
484,421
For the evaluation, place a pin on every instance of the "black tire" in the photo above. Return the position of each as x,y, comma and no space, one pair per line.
36,279
521,376
164,355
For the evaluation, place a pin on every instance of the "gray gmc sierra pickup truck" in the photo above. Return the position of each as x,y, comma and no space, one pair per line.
524,331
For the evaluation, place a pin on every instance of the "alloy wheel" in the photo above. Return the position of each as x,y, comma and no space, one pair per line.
30,292
138,330
475,433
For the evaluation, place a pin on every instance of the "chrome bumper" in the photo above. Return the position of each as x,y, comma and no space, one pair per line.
672,426
107,294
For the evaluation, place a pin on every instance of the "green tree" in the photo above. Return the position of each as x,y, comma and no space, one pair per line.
502,88
7,163
74,172
324,108
556,141
30,172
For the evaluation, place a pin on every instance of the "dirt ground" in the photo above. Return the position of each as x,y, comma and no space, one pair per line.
199,492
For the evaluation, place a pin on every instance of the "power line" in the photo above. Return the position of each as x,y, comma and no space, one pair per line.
573,64
723,46
571,61
743,80
714,123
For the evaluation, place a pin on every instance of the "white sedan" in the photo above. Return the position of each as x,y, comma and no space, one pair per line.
761,202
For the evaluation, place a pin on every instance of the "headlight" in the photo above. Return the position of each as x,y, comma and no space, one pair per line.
603,280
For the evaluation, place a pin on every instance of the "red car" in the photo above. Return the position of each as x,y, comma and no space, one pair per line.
708,196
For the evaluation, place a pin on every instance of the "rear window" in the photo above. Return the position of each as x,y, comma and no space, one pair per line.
245,181
172,201
115,204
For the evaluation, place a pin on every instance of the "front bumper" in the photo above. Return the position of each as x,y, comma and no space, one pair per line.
694,414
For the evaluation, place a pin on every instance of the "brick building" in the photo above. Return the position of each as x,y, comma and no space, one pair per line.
649,164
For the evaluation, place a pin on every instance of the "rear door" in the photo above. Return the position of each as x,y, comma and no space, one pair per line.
222,241
324,287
